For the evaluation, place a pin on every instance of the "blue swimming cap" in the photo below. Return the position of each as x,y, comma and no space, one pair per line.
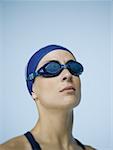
35,59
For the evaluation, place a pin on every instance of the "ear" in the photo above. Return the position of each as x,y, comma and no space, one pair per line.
34,95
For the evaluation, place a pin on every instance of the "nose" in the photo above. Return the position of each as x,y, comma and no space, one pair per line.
66,75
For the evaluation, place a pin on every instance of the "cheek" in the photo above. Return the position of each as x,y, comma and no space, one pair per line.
49,96
46,91
78,88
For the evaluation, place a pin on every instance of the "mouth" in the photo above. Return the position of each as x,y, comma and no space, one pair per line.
68,88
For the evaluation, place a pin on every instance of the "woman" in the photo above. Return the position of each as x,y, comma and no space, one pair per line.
52,77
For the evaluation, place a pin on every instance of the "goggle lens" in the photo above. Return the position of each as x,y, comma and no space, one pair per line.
75,68
53,68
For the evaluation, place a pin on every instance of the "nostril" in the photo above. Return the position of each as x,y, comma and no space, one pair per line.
66,75
64,78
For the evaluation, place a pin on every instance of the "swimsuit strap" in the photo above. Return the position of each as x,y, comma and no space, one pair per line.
36,146
31,139
80,144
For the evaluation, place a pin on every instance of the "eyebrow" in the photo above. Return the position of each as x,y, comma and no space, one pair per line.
57,60
46,61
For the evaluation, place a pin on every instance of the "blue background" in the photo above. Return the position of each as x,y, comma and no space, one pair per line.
82,26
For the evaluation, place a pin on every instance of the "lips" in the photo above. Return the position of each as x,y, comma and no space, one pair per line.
68,88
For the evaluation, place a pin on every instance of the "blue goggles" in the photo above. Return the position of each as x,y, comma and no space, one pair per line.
54,68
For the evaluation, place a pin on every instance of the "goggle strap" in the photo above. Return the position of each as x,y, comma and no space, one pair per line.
32,76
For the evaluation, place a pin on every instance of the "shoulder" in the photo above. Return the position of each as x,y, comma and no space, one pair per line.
89,147
17,143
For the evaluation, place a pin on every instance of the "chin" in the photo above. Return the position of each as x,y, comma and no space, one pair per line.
70,102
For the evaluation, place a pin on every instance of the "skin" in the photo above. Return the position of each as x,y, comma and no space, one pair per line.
57,106
54,127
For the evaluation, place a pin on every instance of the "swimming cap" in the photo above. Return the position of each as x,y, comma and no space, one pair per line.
35,59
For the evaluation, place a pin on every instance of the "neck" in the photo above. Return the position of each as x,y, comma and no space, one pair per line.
54,126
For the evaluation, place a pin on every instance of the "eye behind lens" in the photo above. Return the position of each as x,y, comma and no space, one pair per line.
75,68
53,67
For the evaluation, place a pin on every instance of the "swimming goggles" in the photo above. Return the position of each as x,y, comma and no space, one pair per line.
54,68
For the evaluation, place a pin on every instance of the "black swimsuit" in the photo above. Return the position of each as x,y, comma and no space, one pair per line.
36,146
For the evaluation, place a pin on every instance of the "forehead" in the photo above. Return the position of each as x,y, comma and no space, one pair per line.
61,55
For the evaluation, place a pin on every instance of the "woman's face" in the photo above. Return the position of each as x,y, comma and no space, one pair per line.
49,91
